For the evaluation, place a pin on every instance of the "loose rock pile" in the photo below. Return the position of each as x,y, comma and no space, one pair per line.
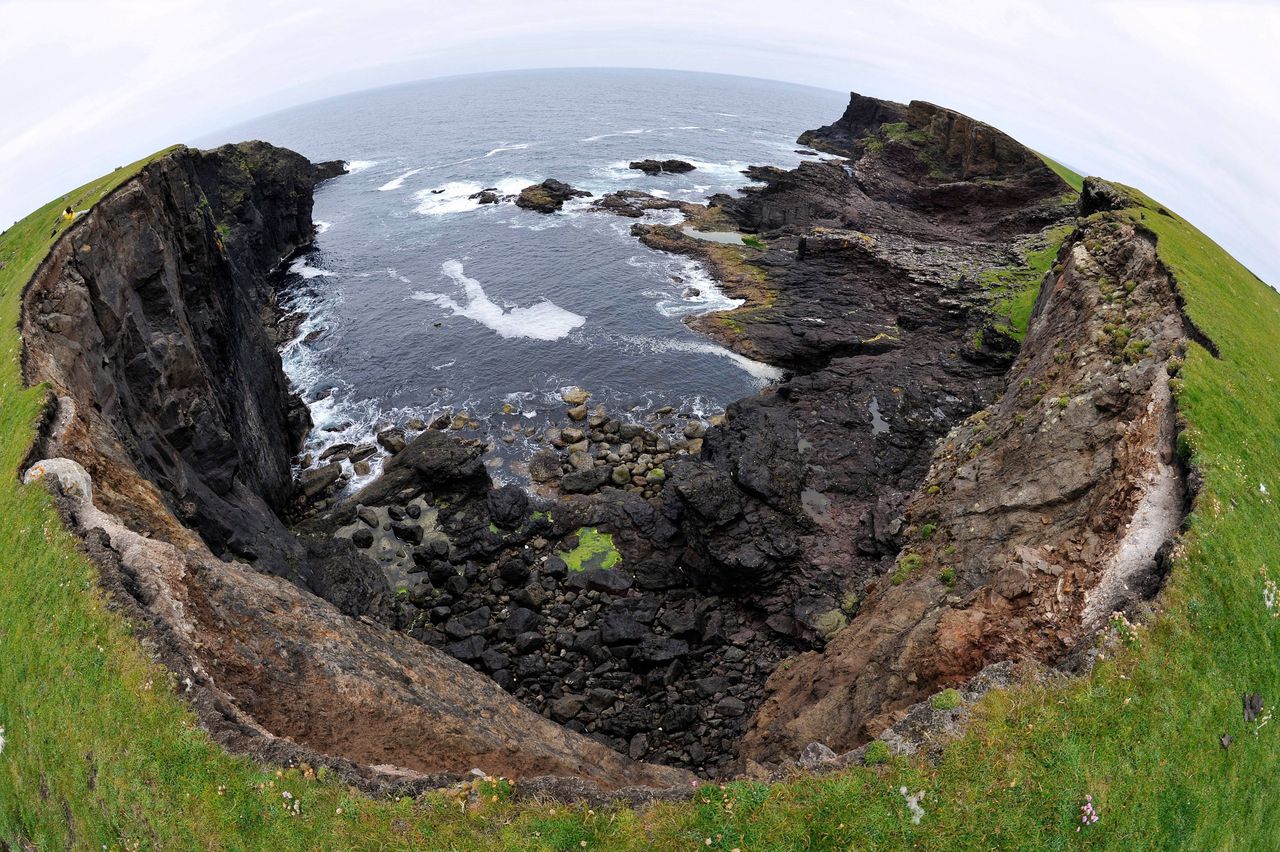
668,675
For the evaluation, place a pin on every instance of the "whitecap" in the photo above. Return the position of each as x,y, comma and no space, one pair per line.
499,150
758,369
354,166
300,267
321,227
600,136
453,197
542,321
396,183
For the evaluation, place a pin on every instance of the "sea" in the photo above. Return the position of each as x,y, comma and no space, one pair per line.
420,301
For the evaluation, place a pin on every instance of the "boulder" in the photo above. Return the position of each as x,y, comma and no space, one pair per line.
312,483
70,476
392,440
507,506
584,481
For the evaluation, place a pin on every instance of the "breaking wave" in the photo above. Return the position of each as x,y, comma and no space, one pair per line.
542,321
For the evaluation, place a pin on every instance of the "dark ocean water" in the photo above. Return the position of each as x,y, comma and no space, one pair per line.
426,301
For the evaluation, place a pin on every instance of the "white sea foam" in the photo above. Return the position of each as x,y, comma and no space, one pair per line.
499,150
763,372
354,166
600,136
455,196
396,183
543,321
321,227
300,267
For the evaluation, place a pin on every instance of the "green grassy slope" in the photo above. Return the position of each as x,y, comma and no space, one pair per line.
96,742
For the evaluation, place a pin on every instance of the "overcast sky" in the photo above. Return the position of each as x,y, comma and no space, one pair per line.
1177,97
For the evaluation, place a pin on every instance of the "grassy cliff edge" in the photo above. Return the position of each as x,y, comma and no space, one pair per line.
99,751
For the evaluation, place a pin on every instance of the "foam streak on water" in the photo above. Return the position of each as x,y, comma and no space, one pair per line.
542,321
396,183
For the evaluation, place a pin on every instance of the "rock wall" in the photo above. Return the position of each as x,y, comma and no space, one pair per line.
150,323
1040,516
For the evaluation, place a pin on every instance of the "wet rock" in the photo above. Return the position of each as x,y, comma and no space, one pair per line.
584,481
544,466
548,196
362,538
392,440
406,532
654,167
339,451
314,482
362,452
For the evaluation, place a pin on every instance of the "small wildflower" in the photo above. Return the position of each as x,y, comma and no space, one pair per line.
1088,816
338,811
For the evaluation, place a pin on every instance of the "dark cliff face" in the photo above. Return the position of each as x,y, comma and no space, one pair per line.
152,315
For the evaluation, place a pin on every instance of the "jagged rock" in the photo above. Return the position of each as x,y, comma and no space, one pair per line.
327,170
316,481
653,167
815,755
548,196
392,440
508,506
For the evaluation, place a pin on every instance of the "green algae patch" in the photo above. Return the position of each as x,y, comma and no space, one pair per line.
595,550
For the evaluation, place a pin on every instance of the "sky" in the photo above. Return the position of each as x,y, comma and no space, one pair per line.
1177,97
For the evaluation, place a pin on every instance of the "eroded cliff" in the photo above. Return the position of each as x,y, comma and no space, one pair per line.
920,497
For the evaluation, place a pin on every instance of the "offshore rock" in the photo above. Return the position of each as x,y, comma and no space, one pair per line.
548,196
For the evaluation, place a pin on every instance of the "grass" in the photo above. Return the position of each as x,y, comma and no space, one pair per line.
947,699
96,743
595,550
1017,287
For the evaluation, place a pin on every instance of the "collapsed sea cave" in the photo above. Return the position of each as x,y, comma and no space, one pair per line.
921,499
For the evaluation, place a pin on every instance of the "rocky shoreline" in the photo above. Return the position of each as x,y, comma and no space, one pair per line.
789,581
